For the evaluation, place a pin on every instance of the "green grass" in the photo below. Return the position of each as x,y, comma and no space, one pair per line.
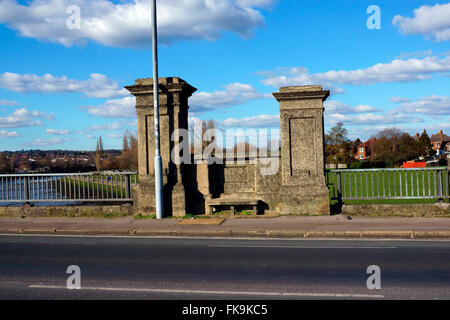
365,185
141,216
106,189
244,213
237,213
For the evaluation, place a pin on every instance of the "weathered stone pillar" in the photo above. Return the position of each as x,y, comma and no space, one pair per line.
173,110
303,187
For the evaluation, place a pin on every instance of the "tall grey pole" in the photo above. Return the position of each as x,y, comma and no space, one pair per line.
158,162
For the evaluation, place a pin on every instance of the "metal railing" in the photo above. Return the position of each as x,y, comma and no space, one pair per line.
371,184
67,187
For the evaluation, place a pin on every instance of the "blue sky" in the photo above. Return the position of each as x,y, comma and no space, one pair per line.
61,88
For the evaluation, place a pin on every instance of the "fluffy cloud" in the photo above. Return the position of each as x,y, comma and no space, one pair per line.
395,71
58,132
127,23
116,108
432,22
399,99
234,94
116,135
8,134
97,86
433,105
8,103
261,121
390,117
334,106
47,142
107,126
24,118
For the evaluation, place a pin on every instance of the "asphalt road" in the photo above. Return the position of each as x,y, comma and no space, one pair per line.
34,267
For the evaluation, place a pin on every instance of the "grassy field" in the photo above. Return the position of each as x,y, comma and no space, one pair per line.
95,187
413,186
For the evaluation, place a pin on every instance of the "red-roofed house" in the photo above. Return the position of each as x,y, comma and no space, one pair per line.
364,150
439,140
441,144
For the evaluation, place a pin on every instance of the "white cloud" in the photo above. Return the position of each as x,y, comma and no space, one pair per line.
116,135
97,86
431,22
256,3
260,121
395,71
47,142
107,126
234,94
24,118
116,108
127,24
415,54
399,99
58,132
8,134
371,119
334,106
433,105
8,103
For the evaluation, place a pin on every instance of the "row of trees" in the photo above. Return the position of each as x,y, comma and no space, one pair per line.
395,147
5,164
392,147
127,160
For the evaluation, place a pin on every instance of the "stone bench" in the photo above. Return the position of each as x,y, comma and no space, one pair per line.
232,203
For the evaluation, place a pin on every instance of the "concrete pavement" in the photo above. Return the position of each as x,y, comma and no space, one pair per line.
338,226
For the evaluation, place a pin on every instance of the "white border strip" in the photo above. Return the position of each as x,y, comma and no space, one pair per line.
214,292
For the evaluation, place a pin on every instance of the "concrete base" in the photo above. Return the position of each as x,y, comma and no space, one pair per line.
174,198
406,210
96,211
310,200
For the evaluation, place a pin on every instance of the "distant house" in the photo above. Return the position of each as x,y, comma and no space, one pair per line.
447,150
364,150
439,141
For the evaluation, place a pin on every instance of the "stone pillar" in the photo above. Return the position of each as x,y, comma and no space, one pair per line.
173,110
303,187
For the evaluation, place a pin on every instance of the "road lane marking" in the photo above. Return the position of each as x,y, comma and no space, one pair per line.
48,242
256,239
296,247
214,292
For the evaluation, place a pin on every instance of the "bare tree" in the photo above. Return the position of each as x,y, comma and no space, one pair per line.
99,154
197,134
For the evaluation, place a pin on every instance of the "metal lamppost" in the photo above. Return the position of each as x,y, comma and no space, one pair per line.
158,161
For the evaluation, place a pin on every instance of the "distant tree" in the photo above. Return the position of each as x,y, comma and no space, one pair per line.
99,154
128,160
408,149
125,145
5,165
394,146
338,148
245,148
425,147
197,134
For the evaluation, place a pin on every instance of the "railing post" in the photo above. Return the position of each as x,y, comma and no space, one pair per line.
339,187
440,185
27,189
448,180
127,186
